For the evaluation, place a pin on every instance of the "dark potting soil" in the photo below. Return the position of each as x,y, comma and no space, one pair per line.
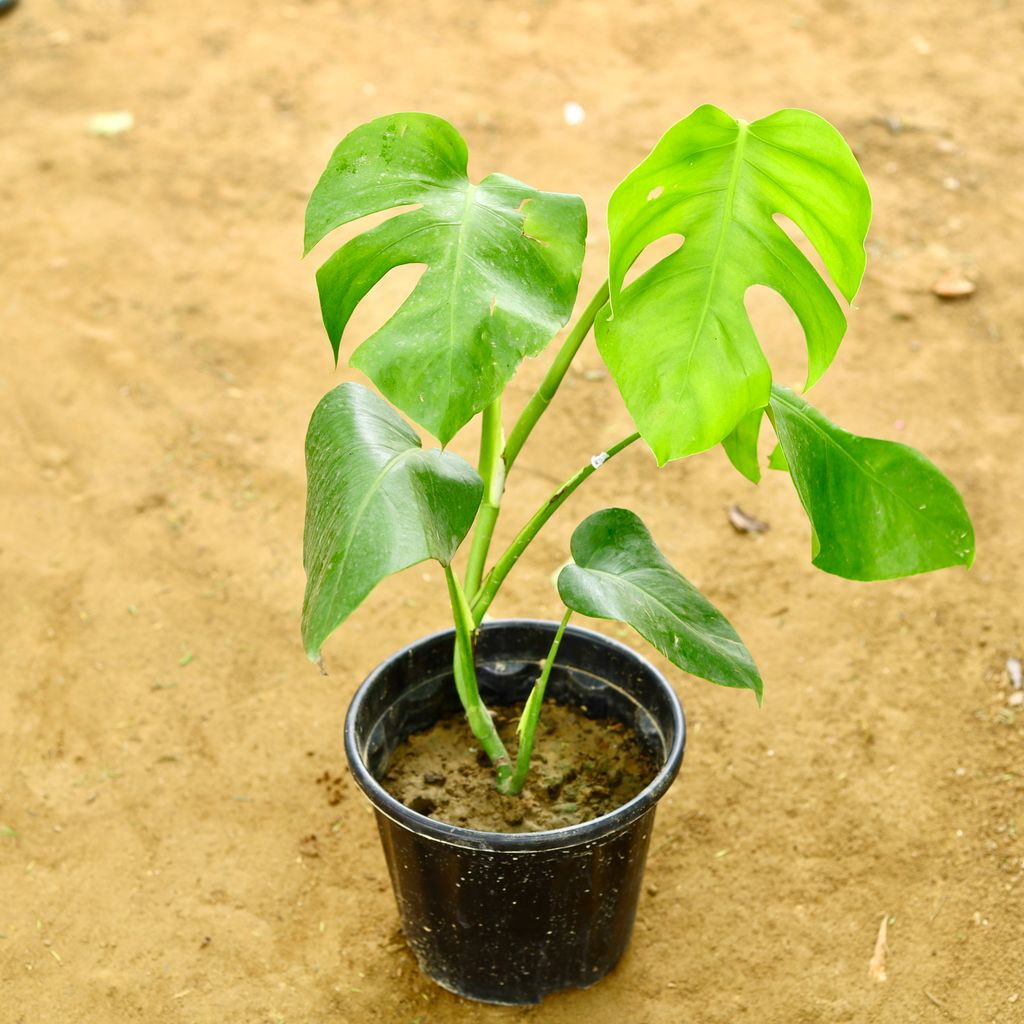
581,768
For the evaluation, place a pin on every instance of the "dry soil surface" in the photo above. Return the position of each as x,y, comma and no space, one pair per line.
166,851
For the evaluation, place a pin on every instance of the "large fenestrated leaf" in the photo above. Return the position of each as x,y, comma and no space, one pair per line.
376,503
503,265
878,509
619,573
677,340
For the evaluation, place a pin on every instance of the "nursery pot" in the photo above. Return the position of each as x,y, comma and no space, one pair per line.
511,918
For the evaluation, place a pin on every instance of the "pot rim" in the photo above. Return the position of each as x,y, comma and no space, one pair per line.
518,842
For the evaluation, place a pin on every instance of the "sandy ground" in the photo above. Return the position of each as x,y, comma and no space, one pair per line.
162,735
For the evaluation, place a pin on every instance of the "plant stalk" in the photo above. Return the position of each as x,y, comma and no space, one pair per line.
541,398
492,472
483,598
527,727
464,666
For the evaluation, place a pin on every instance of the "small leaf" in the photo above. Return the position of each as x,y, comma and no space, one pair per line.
503,266
741,445
376,504
678,340
619,573
878,509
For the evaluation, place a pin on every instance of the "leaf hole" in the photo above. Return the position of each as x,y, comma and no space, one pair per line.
780,335
803,243
655,192
652,256
335,239
381,301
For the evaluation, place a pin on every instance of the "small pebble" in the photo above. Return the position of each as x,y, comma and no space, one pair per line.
1013,670
573,114
115,122
953,285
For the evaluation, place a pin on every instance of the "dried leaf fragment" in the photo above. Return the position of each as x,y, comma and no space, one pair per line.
1013,670
876,968
744,522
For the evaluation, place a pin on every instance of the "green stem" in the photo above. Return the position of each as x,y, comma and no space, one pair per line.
464,666
483,598
527,727
553,378
492,472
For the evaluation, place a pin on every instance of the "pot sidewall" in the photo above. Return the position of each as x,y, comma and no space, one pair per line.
512,917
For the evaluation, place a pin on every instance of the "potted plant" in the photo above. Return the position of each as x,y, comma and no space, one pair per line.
500,913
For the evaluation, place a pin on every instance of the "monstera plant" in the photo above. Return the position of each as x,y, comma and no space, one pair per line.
502,264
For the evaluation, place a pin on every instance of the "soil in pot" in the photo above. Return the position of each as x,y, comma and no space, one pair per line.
581,768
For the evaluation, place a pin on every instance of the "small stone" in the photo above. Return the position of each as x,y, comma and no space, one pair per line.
573,114
953,285
1013,670
115,122
434,779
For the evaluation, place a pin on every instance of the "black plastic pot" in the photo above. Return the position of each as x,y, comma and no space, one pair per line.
511,918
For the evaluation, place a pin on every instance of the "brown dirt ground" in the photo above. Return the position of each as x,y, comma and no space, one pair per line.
161,734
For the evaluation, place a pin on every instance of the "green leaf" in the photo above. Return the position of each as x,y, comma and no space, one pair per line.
741,445
503,265
376,503
621,574
677,340
878,509
777,459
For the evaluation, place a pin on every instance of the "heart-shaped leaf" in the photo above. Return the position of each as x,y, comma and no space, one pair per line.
376,503
878,509
678,340
503,265
620,574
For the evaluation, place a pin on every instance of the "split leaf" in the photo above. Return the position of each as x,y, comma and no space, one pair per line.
376,503
503,265
678,340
